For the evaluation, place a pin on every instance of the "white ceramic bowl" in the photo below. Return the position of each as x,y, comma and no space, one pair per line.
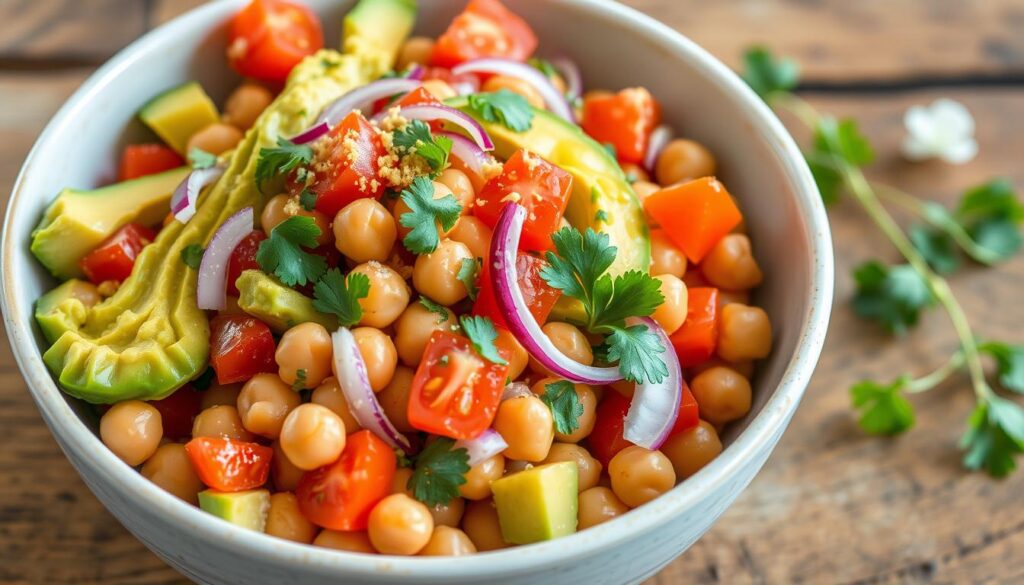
616,47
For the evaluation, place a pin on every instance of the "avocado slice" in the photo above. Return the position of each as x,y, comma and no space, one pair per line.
247,509
280,307
79,220
378,27
178,113
78,295
149,338
538,503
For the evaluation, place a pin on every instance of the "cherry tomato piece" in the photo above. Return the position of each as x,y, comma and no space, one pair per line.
243,258
139,160
269,37
352,175
696,339
624,120
486,28
539,296
240,347
115,257
606,438
228,465
178,410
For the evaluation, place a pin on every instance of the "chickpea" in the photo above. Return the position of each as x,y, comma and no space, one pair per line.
527,426
516,86
217,138
389,294
518,356
666,258
480,523
459,184
171,469
394,398
692,449
589,468
439,89
245,105
414,328
474,234
400,525
312,436
415,51
284,520
220,421
364,231
744,333
132,430
731,265
217,395
480,476
598,505
636,173
513,466
351,541
263,404
586,397
671,314
379,355
285,474
329,394
447,541
684,160
722,393
436,275
728,297
449,514
570,341
281,207
639,475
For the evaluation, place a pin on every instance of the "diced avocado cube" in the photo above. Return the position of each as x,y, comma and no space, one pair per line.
178,113
377,28
537,504
247,509
73,298
277,305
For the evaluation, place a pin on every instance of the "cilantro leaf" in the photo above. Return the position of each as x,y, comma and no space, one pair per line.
938,248
300,380
307,199
581,260
842,139
894,297
994,437
767,75
438,472
201,159
283,159
991,214
467,275
632,294
425,214
192,255
883,409
565,405
636,349
827,178
510,109
481,334
340,296
1010,363
416,138
436,308
282,255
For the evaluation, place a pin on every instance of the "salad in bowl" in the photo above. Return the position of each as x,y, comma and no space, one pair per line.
416,296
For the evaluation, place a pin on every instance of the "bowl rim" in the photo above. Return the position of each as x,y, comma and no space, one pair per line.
75,437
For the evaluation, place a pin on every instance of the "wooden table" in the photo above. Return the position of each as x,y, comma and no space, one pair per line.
831,505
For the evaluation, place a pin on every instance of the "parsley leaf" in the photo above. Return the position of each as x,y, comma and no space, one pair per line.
992,214
842,139
300,380
894,297
481,334
201,159
307,199
769,76
883,409
416,138
1010,363
503,106
340,296
827,178
438,472
581,260
425,214
282,255
467,275
636,349
283,159
938,248
994,437
632,294
192,255
436,308
565,405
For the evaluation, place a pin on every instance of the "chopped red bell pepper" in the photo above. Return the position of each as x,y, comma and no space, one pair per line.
624,120
240,347
139,160
694,215
696,339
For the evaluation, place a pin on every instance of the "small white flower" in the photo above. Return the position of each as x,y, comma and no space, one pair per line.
944,129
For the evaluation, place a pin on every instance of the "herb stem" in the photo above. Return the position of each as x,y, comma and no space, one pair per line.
937,376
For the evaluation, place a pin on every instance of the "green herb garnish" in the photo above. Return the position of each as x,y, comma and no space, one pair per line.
340,296
283,256
425,214
510,109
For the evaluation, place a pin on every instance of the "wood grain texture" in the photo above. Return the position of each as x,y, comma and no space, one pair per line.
831,505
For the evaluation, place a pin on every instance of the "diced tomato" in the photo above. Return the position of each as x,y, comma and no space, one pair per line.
542,188
696,339
606,438
484,29
540,297
455,392
115,257
243,258
416,97
694,278
353,166
341,495
178,410
269,37
694,215
228,465
240,347
139,160
625,120
689,411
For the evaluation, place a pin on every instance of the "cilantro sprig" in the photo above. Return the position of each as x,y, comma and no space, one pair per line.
281,160
283,254
565,405
504,107
415,138
468,270
425,214
192,255
435,308
481,334
340,296
438,471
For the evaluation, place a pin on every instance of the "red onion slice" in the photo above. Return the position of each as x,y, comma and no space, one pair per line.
516,390
522,324
361,98
467,151
415,72
488,444
660,137
655,406
355,385
553,99
183,202
571,74
430,113
313,134
211,292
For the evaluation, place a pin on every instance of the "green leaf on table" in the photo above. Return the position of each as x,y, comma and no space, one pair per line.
994,437
937,247
992,214
768,75
842,140
828,179
883,409
1009,362
892,296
